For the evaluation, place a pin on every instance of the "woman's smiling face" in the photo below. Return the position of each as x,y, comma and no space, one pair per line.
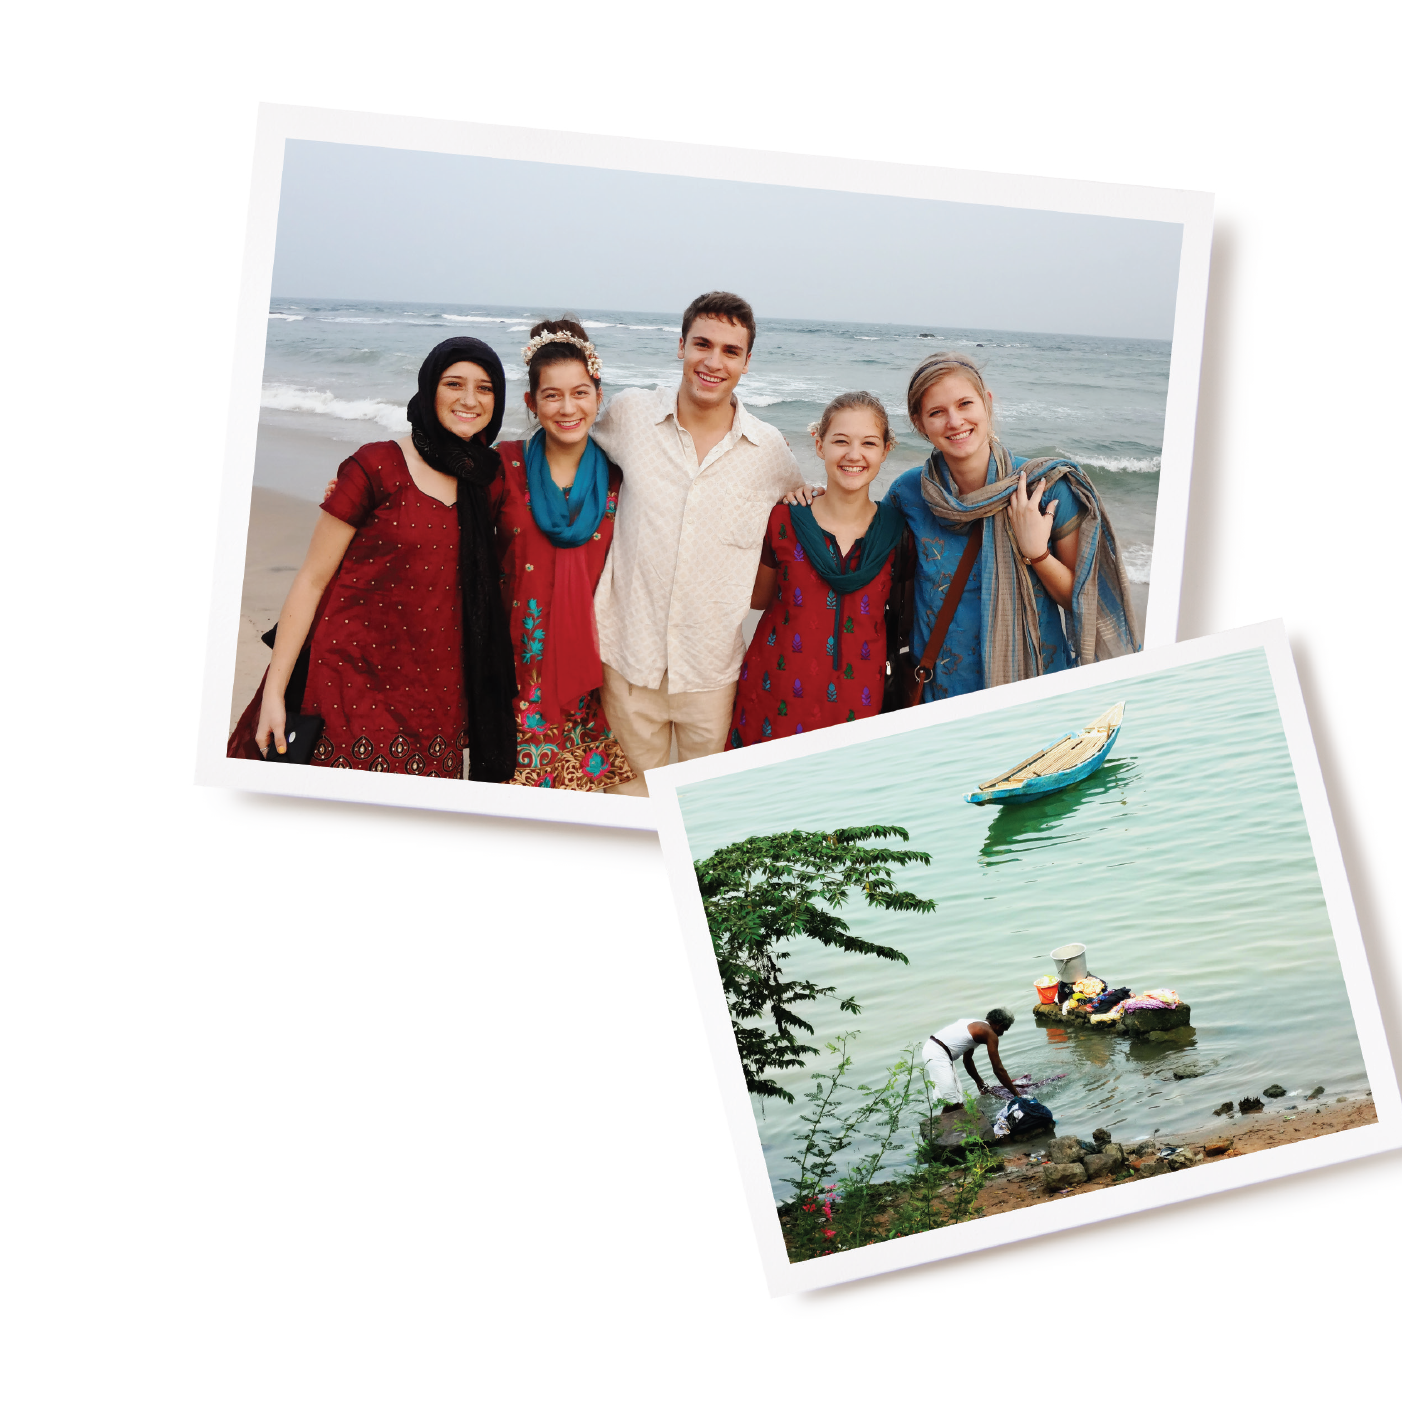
955,417
465,399
853,449
566,401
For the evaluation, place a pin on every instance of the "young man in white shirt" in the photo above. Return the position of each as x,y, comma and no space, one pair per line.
701,474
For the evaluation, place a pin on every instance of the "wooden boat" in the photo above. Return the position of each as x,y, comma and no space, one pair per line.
1067,760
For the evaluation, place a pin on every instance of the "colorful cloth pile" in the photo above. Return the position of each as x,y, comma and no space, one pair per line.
1151,999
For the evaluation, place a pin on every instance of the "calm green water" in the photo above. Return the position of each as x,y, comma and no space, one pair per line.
1185,861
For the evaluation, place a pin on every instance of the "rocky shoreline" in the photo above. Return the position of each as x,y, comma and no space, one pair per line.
1072,1165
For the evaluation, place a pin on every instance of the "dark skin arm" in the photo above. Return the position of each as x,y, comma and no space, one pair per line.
763,591
981,1032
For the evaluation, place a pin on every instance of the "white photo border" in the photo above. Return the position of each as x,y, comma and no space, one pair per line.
278,124
1030,1221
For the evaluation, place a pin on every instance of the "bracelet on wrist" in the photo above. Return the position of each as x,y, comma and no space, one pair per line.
1035,560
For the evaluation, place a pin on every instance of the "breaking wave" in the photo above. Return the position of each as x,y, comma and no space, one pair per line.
299,398
1138,562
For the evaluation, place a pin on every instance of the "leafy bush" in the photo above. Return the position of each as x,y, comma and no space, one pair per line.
831,1212
770,889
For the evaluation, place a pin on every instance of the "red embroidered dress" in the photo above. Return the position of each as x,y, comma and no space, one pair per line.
385,664
579,752
788,682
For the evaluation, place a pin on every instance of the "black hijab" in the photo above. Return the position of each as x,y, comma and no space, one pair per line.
489,673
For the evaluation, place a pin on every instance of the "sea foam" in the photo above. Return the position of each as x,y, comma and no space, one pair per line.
299,398
285,317
1138,562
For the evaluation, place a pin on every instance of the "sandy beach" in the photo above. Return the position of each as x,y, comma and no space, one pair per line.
280,527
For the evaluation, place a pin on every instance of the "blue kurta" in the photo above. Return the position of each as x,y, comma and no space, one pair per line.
959,667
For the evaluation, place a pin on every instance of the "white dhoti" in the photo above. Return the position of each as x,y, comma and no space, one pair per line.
941,1071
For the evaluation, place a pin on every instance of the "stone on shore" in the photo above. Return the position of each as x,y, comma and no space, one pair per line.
949,1130
1064,1176
1315,1092
1224,1109
1101,1136
1250,1104
1066,1150
1276,1090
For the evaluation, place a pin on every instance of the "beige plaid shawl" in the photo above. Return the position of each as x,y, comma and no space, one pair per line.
1100,624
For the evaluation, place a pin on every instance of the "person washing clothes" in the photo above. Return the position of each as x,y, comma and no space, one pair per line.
958,1040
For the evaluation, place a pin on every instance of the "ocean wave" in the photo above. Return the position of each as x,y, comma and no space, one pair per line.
286,317
279,396
1123,465
378,321
1138,563
646,326
473,317
597,324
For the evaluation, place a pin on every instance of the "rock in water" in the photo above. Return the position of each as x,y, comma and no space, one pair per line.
1139,1021
1225,1110
1250,1104
1066,1150
1056,1177
1185,1073
1276,1090
1315,1092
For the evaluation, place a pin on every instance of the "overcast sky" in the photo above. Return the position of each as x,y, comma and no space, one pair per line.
363,222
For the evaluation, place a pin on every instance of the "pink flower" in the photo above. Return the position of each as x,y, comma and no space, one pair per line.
829,1233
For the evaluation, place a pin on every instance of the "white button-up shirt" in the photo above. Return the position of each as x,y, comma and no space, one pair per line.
687,539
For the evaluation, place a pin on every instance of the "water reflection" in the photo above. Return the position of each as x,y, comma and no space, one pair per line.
1017,828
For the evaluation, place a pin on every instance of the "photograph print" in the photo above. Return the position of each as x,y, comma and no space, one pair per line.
556,472
1046,962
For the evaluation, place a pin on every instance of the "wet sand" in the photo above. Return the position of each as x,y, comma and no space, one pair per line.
1021,1184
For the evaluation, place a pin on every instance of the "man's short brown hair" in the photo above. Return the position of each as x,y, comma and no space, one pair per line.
728,307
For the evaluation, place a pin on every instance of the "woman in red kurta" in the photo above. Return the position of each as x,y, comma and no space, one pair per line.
554,504
819,653
385,669
380,598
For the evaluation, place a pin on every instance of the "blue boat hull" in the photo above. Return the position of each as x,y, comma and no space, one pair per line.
1041,785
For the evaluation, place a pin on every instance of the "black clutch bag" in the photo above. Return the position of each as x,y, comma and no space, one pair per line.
302,735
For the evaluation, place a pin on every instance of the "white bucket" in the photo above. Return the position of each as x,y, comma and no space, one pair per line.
1071,962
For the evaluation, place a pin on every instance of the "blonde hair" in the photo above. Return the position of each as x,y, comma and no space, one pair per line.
936,368
854,399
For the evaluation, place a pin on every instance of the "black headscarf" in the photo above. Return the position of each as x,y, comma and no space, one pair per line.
489,674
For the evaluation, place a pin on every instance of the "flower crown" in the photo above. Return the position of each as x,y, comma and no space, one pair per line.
592,360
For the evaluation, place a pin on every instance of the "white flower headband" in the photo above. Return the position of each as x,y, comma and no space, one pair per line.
592,360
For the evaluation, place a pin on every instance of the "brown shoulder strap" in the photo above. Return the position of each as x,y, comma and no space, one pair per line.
954,591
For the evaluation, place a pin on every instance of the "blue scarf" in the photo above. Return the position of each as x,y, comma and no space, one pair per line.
573,522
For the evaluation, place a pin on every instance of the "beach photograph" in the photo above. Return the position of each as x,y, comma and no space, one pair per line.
1069,318
1023,957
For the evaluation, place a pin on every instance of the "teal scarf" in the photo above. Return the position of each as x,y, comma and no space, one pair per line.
881,539
573,522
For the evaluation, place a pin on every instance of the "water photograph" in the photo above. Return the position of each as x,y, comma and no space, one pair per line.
1025,956
567,517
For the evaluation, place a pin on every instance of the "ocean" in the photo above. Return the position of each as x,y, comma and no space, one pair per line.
344,371
1184,862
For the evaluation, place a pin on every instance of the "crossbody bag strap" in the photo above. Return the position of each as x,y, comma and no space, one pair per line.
926,668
